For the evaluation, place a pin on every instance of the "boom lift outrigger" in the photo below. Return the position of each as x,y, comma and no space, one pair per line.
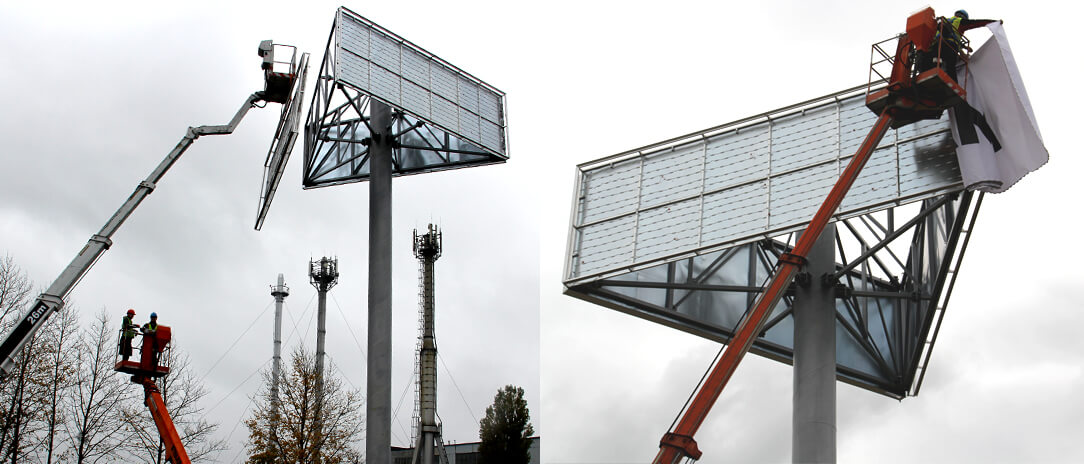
279,78
911,95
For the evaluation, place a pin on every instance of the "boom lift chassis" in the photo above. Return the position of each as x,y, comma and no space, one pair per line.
911,95
277,89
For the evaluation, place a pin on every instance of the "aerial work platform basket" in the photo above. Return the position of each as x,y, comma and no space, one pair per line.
279,75
152,359
919,87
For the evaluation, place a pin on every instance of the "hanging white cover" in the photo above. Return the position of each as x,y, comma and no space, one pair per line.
995,89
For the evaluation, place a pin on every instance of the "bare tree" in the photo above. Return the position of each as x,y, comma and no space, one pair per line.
181,391
14,293
24,410
58,342
96,430
293,431
20,392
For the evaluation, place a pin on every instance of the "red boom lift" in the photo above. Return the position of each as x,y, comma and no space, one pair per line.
144,372
912,94
279,78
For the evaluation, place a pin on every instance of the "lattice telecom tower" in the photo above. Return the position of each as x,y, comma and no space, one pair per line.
323,275
426,431
385,107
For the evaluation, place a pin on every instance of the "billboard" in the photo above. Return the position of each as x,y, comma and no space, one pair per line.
283,143
444,118
748,180
686,232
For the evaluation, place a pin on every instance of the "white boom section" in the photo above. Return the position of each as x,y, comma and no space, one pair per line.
53,298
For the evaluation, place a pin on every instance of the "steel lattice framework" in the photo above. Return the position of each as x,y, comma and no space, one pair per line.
685,232
443,117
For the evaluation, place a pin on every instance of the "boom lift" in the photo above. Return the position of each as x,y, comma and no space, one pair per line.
144,372
912,94
279,78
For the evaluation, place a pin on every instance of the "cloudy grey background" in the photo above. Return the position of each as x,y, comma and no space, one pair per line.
95,95
1004,381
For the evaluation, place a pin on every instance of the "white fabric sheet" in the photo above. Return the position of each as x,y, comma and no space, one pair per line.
994,87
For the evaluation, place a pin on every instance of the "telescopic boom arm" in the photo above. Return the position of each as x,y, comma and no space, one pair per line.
171,441
680,443
53,298
911,95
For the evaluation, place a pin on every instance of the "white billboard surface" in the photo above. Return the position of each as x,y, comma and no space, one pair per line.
377,62
744,181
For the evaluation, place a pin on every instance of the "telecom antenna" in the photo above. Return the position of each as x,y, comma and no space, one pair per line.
284,82
323,275
385,107
280,292
428,440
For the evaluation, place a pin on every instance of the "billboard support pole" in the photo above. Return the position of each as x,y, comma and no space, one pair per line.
378,387
814,414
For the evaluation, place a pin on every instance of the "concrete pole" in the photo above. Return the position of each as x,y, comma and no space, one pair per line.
323,275
428,371
378,388
321,332
280,292
427,248
814,434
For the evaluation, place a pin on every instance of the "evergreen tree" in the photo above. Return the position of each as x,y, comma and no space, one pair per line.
506,429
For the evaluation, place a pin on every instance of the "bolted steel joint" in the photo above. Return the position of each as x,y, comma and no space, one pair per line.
683,443
793,259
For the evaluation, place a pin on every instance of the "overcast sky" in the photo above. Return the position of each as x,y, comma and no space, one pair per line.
1004,381
96,96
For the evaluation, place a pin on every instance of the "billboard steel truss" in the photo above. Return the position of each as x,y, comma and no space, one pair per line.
685,232
443,118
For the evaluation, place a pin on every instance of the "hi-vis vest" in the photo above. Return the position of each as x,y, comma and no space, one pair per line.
129,327
953,38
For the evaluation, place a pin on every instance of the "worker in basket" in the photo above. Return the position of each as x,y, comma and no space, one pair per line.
948,43
149,330
127,328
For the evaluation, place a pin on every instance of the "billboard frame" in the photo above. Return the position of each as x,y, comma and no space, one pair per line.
570,274
338,132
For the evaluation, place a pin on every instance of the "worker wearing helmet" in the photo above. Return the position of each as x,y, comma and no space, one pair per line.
152,326
148,330
949,39
127,328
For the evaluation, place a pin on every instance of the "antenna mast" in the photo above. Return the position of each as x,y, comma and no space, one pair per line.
280,292
323,275
427,248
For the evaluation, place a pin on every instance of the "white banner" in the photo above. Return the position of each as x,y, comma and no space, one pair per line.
995,89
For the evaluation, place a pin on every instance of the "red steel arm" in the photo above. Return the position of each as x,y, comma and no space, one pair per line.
904,105
680,443
175,452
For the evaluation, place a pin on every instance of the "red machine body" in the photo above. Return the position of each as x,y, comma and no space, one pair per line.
171,440
911,95
152,352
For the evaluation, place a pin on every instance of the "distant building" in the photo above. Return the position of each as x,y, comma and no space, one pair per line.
460,453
